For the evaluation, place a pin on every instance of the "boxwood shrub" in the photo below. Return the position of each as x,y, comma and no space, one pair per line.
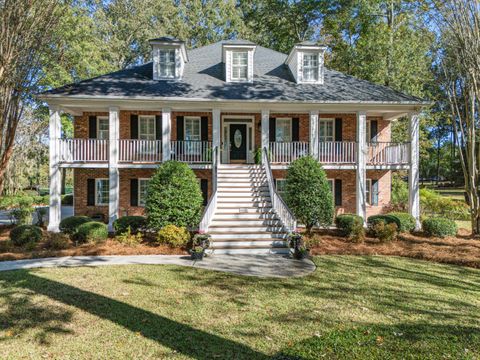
24,234
91,232
386,219
70,224
407,221
346,223
439,227
135,223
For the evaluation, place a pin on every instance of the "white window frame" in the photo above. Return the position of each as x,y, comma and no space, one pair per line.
310,66
167,64
289,120
192,118
97,203
326,120
276,186
139,192
368,191
146,136
99,131
239,66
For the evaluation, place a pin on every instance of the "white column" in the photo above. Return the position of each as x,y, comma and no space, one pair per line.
55,130
216,130
113,173
265,128
166,133
413,175
314,134
361,205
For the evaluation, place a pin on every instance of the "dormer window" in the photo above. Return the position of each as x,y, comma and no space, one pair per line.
237,55
239,65
167,63
306,62
310,67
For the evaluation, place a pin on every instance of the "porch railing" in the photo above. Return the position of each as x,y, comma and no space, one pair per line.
337,152
278,205
212,203
83,150
133,150
388,153
191,151
286,152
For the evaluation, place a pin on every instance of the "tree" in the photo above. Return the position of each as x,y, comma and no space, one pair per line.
173,197
308,193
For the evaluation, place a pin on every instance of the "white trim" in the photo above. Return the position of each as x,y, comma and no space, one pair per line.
414,172
332,120
199,118
55,202
361,173
150,117
225,126
98,126
289,119
96,191
138,190
242,66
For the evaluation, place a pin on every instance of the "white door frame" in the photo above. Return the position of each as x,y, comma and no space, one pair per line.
225,136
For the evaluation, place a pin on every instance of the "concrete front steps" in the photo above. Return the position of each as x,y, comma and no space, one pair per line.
244,221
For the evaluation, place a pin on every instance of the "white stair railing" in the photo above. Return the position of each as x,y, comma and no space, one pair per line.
212,203
278,205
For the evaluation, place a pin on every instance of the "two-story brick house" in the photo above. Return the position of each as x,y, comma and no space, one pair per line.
213,107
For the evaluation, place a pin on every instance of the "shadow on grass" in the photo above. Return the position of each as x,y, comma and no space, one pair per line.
179,337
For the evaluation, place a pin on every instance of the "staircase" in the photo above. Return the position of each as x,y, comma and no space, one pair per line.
244,221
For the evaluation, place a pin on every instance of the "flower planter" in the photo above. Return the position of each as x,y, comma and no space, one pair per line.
197,255
301,254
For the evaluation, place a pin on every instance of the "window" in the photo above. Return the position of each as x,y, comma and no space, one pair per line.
331,184
239,65
167,63
371,192
101,192
192,129
283,130
102,128
146,127
310,67
280,186
142,191
326,130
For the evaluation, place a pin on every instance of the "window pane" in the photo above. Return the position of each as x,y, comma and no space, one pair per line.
102,192
146,128
283,130
239,65
280,184
167,63
142,191
192,129
326,130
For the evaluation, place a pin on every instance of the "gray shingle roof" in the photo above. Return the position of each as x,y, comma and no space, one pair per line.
204,79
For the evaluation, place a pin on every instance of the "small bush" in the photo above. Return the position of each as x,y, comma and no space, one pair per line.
91,232
351,226
434,204
57,241
134,224
70,224
387,219
67,200
6,246
23,234
439,227
128,238
173,236
407,221
385,232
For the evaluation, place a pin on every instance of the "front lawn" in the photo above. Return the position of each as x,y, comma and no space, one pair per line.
369,307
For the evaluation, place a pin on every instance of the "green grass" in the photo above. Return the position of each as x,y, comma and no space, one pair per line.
350,308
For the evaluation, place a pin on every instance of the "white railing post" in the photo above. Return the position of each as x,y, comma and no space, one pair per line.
55,130
166,133
113,173
314,135
414,174
361,173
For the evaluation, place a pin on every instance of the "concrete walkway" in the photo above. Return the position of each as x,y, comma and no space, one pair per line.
250,265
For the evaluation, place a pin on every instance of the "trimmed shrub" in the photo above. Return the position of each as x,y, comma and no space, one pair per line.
57,241
385,232
70,224
173,236
173,197
67,200
439,227
351,226
23,234
129,239
407,221
387,219
308,193
91,232
134,223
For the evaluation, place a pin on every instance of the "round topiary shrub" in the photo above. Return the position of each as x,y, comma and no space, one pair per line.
386,219
91,232
439,227
173,236
346,223
308,194
173,197
135,223
407,221
70,224
67,200
24,234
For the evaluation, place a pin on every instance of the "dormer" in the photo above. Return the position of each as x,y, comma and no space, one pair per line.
169,58
237,55
306,62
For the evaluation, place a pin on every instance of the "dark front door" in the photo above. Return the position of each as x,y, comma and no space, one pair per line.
238,142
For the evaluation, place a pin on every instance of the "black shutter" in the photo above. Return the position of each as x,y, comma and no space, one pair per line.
295,129
338,192
204,187
373,130
204,128
90,192
180,128
134,126
134,192
92,127
338,129
272,129
158,127
374,192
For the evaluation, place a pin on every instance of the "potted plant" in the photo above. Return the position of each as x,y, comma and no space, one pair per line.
295,239
200,242
197,253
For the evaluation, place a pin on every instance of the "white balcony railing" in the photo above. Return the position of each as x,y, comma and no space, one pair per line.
133,150
388,153
337,152
191,151
83,150
286,152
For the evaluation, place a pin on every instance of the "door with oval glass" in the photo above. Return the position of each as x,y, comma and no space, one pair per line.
238,142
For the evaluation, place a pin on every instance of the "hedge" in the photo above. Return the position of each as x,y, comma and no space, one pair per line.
23,234
70,224
135,223
92,232
346,223
407,221
439,227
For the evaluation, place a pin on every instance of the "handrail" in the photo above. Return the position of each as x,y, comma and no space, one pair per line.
279,206
209,210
